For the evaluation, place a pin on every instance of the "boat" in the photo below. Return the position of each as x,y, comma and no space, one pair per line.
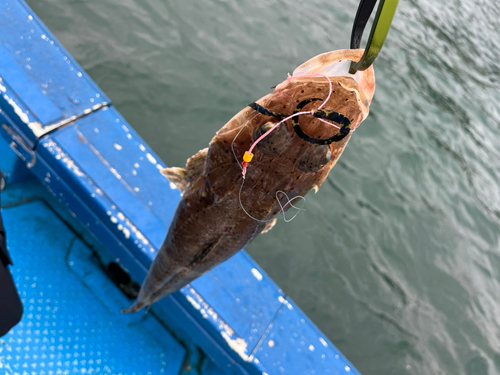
86,209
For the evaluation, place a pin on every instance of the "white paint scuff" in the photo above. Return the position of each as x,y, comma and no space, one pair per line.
35,126
195,304
238,344
151,158
257,274
285,302
117,146
125,225
55,150
322,340
117,175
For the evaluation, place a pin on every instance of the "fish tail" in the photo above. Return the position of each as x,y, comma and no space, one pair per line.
153,287
136,306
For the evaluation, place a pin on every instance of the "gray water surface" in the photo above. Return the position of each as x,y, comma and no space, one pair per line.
397,258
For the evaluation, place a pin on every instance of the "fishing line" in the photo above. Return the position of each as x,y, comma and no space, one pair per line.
291,205
247,157
232,146
315,74
282,207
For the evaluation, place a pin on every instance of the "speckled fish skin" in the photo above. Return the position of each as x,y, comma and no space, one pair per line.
209,225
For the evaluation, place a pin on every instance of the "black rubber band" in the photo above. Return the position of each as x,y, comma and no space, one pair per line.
320,113
265,111
324,114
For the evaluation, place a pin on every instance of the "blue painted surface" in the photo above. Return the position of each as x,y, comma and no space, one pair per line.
13,168
253,301
293,340
89,166
71,321
26,88
8,158
104,140
24,193
16,115
48,81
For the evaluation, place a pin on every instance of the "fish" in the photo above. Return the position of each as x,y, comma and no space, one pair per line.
221,209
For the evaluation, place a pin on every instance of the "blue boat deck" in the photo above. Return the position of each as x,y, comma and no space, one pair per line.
99,200
72,321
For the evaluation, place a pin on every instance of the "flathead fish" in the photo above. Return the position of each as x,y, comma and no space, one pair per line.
220,211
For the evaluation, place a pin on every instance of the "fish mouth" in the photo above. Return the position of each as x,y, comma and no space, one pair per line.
337,64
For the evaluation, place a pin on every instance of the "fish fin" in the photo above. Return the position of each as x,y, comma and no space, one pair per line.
196,163
182,178
269,225
198,258
177,176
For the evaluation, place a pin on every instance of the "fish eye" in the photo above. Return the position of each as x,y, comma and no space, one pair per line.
266,127
327,158
314,158
275,142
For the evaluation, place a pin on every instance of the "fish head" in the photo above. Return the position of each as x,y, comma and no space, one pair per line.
283,159
308,89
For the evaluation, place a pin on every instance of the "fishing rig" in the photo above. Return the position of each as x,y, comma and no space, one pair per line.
380,28
378,34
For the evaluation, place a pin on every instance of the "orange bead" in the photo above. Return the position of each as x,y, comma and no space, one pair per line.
247,156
